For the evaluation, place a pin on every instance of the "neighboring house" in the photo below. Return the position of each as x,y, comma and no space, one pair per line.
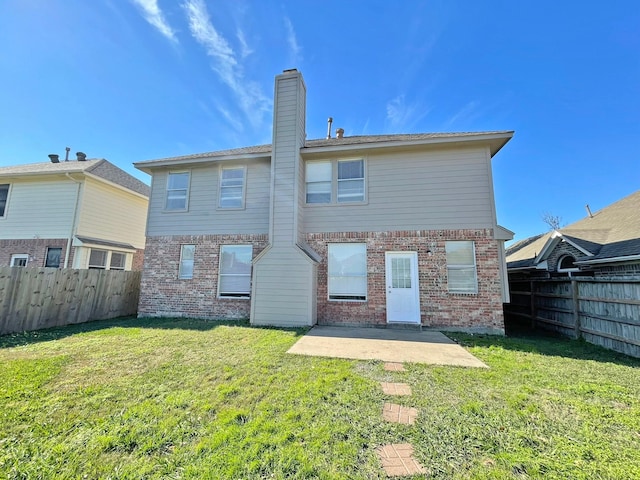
363,230
604,244
72,214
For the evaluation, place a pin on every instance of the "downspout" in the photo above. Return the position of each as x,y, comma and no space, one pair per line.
73,222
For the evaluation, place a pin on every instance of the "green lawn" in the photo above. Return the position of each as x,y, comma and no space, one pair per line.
196,399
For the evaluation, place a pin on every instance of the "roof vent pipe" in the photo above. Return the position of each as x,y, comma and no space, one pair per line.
54,158
588,210
339,132
81,157
66,157
329,122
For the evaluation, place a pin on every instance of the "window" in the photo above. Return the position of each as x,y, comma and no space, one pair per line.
98,259
177,188
350,181
347,271
318,178
19,260
53,257
344,186
4,195
232,187
235,271
118,261
187,255
567,264
461,267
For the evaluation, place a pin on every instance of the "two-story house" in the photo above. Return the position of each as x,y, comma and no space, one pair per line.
363,230
72,214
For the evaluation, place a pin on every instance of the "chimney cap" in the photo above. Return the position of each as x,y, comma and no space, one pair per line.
339,132
290,70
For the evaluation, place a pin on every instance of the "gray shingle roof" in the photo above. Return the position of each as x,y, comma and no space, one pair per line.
323,142
98,167
612,232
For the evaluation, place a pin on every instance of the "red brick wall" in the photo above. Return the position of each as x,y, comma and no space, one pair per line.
138,260
36,249
439,308
163,294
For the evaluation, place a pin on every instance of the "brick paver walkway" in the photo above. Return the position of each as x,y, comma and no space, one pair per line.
397,460
399,414
395,388
394,367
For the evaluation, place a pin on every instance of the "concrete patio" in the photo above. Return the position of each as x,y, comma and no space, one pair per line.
386,344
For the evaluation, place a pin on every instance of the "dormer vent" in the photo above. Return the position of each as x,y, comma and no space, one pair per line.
54,158
81,156
339,132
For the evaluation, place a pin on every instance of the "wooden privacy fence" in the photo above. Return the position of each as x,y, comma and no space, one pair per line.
35,298
605,312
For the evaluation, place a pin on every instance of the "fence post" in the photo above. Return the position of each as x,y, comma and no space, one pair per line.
532,306
576,310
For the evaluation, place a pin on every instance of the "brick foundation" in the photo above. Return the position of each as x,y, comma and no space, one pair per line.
36,249
163,294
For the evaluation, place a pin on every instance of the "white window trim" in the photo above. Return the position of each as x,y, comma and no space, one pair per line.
334,183
107,266
338,180
166,192
19,256
6,205
566,270
306,183
461,267
244,186
181,276
234,297
366,275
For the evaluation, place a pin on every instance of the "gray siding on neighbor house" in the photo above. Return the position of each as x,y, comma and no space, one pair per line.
203,216
437,189
283,289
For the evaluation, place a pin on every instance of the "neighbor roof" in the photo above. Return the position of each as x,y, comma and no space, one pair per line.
98,167
611,233
497,139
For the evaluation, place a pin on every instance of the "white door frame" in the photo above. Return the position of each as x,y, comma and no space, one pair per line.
403,304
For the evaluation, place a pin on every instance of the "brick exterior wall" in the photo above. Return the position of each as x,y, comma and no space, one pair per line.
562,249
36,249
438,308
162,293
138,260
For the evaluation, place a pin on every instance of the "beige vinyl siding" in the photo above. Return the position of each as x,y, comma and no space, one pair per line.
283,289
110,213
39,208
203,217
411,191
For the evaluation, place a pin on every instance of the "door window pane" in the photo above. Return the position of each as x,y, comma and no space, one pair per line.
401,272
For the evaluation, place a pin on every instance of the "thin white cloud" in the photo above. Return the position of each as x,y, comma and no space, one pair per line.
402,115
294,46
253,102
245,49
152,14
465,114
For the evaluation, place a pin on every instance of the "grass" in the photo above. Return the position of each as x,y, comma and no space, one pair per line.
192,399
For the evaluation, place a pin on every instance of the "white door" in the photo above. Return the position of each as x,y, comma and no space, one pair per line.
403,299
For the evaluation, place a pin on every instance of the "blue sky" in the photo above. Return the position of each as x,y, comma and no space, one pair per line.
132,80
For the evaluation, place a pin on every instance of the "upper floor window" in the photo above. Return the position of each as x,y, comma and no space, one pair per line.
177,191
235,271
350,181
19,260
318,179
461,267
53,257
232,182
335,181
4,195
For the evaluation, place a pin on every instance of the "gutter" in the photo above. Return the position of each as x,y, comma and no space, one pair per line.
73,223
628,258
